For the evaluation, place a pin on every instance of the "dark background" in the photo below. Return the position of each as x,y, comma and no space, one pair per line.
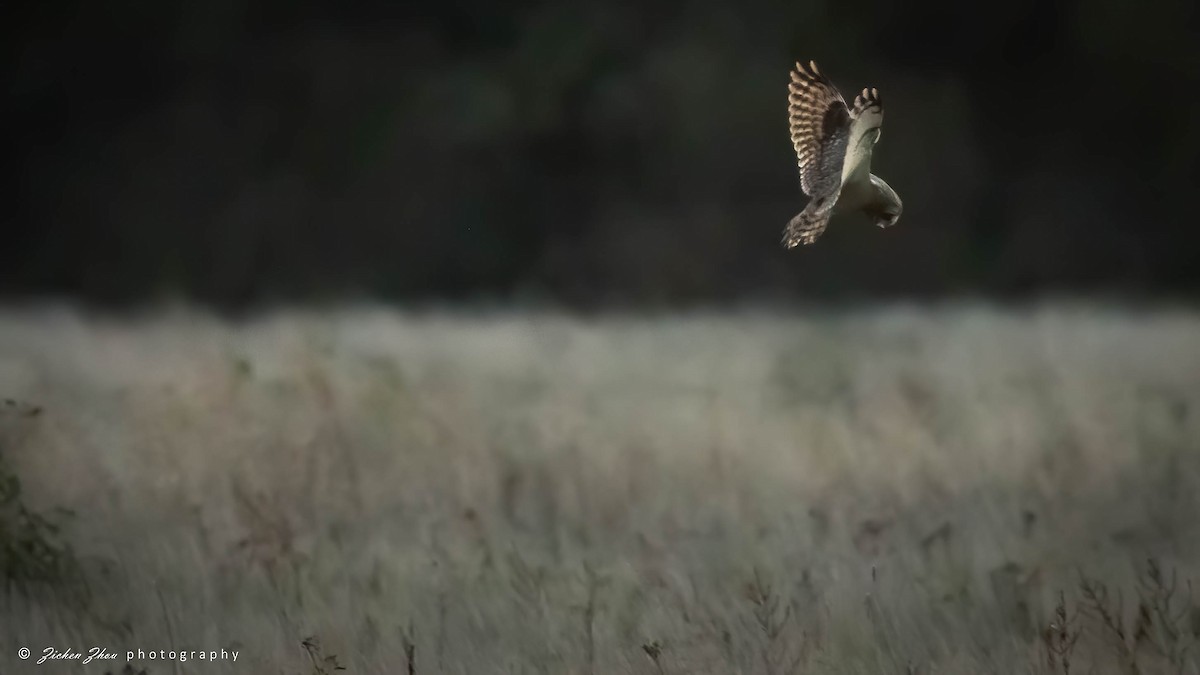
588,153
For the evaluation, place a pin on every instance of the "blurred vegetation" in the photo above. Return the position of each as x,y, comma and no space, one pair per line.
34,557
588,153
929,491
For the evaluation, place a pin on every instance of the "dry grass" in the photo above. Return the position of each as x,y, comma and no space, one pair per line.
952,490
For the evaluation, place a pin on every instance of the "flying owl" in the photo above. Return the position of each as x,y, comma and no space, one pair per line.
834,144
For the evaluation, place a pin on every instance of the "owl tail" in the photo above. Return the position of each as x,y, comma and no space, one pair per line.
806,226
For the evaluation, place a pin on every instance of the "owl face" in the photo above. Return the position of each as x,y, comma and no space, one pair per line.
886,216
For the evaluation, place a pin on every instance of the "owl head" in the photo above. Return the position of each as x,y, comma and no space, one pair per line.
886,208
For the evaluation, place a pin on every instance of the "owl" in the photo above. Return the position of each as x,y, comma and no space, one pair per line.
833,144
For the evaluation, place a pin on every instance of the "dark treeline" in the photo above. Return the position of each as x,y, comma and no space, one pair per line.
588,152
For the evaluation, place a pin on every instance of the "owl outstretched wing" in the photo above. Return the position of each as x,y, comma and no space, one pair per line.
866,126
820,126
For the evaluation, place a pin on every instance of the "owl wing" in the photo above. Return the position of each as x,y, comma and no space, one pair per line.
866,126
820,126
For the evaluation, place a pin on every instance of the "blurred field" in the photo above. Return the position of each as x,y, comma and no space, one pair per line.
901,490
